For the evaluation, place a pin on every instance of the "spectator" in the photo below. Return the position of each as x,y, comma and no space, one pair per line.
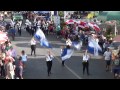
1,64
20,68
58,31
116,67
46,28
107,56
10,70
12,32
24,58
13,53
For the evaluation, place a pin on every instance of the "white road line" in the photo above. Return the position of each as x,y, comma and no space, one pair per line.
68,68
73,72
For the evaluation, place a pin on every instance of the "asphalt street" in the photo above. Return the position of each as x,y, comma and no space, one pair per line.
36,66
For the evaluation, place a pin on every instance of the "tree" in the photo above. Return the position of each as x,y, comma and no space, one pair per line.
61,13
109,32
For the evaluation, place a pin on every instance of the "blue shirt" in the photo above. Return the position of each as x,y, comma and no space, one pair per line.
12,31
24,57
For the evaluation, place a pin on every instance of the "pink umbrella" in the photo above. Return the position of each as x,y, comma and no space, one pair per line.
3,37
70,21
83,24
111,22
94,26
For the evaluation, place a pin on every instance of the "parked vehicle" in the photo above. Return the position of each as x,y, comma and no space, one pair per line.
114,45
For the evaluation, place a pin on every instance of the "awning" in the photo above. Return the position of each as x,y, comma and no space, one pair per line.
109,15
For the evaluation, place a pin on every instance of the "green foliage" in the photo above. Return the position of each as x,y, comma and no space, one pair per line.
109,30
62,23
61,13
109,33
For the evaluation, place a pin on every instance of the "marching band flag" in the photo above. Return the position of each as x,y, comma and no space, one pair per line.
40,36
66,54
93,47
77,45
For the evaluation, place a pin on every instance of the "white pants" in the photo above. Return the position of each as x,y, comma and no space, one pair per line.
11,75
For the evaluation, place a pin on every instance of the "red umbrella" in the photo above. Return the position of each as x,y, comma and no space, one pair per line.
94,26
70,21
83,24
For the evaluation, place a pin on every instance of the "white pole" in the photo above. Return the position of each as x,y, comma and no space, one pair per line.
115,29
64,15
52,13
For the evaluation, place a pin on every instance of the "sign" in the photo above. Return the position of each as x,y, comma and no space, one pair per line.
57,20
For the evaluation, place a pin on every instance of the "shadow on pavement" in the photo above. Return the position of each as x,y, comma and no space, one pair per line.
23,45
96,68
22,39
36,68
34,56
27,44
